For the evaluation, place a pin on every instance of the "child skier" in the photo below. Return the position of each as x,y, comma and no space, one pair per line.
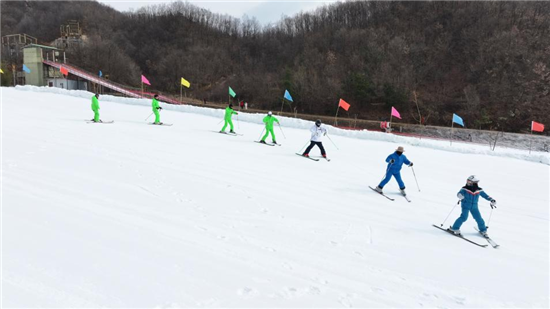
395,162
317,131
95,107
469,196
268,120
156,108
227,118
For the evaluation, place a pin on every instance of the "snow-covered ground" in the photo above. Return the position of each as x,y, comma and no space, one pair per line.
133,215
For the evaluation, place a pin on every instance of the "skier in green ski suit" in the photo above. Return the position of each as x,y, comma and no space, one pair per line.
228,114
269,120
95,107
156,109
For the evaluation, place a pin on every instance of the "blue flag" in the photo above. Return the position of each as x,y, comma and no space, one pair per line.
100,73
287,96
458,120
26,69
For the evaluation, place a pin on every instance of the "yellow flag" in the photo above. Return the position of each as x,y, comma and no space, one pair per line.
185,82
1,71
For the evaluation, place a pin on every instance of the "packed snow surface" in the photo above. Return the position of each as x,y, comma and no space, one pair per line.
134,215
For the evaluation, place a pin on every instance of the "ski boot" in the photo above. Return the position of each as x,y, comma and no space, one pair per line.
456,232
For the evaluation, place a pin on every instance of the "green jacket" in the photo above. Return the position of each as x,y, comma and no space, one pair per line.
228,113
268,120
95,103
155,105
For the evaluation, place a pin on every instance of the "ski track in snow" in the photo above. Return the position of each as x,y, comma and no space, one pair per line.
132,215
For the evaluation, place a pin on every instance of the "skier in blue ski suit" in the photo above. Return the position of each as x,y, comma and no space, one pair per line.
395,162
469,197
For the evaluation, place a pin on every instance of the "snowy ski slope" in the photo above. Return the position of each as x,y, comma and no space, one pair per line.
133,215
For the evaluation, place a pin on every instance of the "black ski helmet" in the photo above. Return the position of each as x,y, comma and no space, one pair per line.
318,122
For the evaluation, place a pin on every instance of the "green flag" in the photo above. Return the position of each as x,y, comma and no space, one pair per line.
231,92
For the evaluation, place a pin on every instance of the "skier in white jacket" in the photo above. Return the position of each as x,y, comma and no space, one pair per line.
317,131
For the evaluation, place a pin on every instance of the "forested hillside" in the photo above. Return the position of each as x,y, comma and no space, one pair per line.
486,61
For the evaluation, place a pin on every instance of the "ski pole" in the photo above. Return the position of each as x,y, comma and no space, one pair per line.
450,213
303,147
332,142
149,116
281,130
261,134
415,179
490,217
387,170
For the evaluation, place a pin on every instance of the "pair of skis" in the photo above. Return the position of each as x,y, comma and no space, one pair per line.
112,121
229,133
104,122
268,144
489,240
314,159
389,198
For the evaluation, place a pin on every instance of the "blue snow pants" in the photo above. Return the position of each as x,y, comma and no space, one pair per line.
464,216
397,176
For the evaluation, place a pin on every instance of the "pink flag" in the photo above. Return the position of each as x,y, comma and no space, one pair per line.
537,127
395,113
64,71
145,80
343,104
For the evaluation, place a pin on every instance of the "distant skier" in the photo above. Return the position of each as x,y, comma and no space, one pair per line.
268,120
227,118
156,109
469,196
317,132
395,162
95,107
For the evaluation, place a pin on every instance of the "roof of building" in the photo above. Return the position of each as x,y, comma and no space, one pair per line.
41,46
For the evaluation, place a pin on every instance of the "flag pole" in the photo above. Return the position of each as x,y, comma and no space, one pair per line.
282,105
142,89
531,139
452,126
336,117
181,91
389,129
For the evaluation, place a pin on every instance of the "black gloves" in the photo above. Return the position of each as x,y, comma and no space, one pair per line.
411,164
493,204
392,161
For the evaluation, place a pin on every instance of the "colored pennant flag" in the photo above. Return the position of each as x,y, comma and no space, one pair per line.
26,69
145,80
537,127
458,120
185,83
64,71
287,96
1,72
100,73
231,92
343,104
395,113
